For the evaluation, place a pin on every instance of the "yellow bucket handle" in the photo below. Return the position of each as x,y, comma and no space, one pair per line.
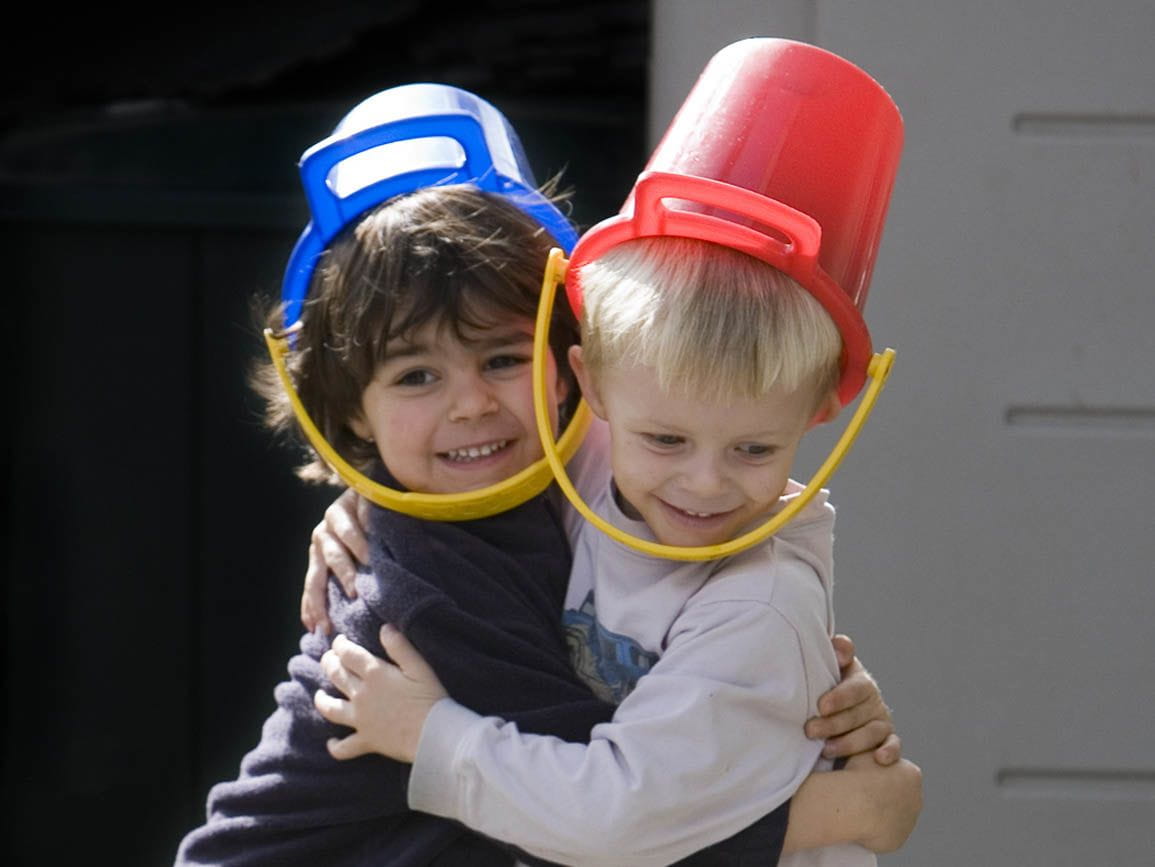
878,372
466,506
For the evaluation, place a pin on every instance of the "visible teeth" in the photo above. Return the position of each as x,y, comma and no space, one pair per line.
474,452
698,514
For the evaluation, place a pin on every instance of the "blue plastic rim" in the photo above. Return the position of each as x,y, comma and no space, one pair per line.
404,139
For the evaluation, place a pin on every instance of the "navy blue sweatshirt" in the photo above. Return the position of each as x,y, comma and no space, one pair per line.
481,601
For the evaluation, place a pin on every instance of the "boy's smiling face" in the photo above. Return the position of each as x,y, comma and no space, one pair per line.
448,415
696,471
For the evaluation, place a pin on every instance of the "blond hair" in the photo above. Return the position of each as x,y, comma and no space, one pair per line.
708,319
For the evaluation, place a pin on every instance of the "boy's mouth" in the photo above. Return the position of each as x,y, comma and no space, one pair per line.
474,453
696,516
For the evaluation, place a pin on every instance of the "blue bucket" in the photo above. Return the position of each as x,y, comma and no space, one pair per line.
404,139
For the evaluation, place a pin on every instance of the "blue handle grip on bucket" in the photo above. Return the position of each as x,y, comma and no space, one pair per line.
401,140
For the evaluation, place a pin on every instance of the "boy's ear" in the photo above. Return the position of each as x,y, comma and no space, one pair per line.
361,428
827,411
562,385
586,382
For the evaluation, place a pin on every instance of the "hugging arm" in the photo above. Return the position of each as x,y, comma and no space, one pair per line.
620,800
853,716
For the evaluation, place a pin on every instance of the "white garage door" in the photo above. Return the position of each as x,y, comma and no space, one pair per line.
996,545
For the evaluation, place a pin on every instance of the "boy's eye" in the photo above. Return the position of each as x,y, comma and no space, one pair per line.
664,440
757,450
502,362
416,377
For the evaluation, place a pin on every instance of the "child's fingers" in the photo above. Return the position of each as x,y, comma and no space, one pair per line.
405,655
346,518
890,751
362,510
335,710
353,656
847,694
856,715
852,703
338,674
843,650
857,687
314,600
310,619
348,747
335,559
862,739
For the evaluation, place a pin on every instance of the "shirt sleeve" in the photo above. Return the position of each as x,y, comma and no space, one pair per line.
710,740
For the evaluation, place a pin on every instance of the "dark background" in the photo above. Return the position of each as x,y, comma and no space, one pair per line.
156,534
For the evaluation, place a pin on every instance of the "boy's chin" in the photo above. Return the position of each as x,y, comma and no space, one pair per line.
685,540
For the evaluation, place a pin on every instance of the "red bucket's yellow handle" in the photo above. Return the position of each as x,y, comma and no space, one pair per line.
878,372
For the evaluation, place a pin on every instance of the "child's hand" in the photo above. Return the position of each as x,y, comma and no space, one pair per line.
854,718
894,796
337,541
386,704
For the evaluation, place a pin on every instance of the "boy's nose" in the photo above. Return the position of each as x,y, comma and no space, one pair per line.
472,399
703,478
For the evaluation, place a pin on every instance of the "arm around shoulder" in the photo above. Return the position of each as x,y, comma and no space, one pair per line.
621,799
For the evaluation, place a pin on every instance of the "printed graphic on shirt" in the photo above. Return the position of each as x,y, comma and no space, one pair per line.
608,663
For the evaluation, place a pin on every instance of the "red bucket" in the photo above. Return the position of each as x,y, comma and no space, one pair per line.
786,152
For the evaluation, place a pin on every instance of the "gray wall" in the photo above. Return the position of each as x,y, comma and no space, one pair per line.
995,544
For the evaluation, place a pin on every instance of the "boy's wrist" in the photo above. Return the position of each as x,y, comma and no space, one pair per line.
433,781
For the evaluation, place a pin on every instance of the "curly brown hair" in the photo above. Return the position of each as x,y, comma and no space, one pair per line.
450,254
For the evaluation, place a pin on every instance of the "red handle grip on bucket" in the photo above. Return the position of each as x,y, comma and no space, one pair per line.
749,222
775,232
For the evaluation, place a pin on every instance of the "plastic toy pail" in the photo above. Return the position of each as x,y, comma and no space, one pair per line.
786,152
404,139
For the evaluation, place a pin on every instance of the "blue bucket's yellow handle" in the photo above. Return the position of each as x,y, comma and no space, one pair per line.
467,506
